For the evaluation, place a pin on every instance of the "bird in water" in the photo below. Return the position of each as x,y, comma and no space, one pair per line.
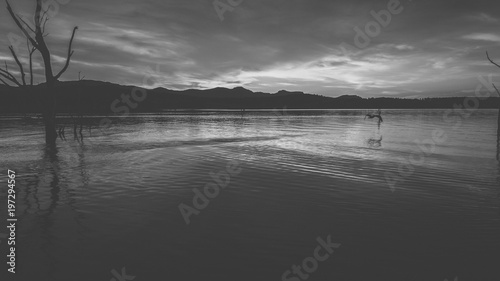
377,115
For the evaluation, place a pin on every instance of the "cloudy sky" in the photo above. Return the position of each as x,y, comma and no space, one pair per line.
427,48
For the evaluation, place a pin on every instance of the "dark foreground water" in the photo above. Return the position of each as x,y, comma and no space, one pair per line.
89,210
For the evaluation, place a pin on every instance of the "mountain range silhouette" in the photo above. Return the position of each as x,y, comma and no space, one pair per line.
90,97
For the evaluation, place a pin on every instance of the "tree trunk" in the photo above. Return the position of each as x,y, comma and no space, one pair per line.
50,131
498,116
498,135
49,114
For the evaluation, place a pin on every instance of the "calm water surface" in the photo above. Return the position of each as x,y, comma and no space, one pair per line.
112,201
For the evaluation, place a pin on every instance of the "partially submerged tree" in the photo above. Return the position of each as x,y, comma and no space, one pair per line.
36,38
498,120
495,64
494,86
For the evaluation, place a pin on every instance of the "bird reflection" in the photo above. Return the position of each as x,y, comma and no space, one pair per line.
375,143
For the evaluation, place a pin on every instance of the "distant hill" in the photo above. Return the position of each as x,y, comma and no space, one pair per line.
89,96
350,97
287,93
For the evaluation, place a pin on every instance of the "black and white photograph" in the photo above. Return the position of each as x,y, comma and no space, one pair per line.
249,140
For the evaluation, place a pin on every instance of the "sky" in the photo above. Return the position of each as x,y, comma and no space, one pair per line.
428,48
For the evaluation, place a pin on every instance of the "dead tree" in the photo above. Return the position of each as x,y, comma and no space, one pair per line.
36,37
498,118
498,92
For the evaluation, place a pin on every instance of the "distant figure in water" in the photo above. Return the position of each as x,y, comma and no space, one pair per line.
378,115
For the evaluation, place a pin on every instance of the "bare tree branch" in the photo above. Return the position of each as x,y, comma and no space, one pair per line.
44,15
18,23
70,54
26,23
7,75
42,46
44,18
44,23
5,83
38,19
5,71
31,51
488,56
21,68
31,66
498,92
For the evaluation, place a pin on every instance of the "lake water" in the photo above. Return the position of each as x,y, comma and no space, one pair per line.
112,201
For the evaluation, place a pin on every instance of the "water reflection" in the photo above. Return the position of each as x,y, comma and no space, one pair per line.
299,167
375,142
51,167
498,137
51,193
81,149
498,159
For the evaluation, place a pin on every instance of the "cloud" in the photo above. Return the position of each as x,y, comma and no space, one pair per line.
483,37
404,47
483,17
268,45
